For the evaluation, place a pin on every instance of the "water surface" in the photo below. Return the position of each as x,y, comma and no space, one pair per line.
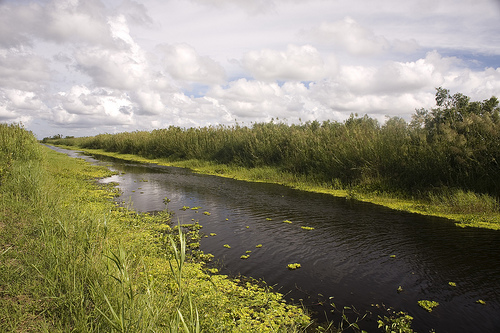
357,255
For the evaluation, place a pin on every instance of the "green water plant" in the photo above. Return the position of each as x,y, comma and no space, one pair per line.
307,228
245,256
453,284
287,221
480,301
428,305
227,246
293,266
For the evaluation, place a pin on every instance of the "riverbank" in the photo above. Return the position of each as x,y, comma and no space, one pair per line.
465,209
72,260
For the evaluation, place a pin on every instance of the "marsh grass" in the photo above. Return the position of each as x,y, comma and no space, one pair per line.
71,260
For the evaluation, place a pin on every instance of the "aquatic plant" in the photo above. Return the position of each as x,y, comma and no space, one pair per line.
184,208
213,234
258,246
307,228
428,305
453,284
227,246
480,301
207,213
268,219
287,221
293,266
245,256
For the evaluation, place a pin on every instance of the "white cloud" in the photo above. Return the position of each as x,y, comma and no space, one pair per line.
85,107
302,63
116,65
183,63
124,68
22,70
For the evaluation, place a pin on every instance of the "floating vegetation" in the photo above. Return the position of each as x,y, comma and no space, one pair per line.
245,256
213,234
393,256
400,289
227,219
247,252
258,246
207,213
227,246
480,301
287,221
213,270
453,284
307,228
195,208
268,219
247,227
428,305
293,266
184,208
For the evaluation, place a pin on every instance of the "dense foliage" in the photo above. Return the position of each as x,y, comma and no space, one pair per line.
455,145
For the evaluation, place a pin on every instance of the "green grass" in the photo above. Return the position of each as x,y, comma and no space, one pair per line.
71,260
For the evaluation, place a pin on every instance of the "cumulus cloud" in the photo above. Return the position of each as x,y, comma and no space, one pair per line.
350,36
123,68
23,70
86,107
302,63
183,63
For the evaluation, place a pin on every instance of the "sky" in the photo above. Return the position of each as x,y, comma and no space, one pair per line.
84,67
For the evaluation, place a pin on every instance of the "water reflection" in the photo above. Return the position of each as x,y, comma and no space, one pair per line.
358,253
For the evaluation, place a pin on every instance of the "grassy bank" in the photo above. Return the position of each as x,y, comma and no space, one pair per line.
464,208
71,260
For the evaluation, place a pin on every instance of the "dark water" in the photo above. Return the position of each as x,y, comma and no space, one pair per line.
347,258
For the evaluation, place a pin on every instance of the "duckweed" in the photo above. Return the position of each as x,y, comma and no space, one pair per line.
293,266
227,246
453,284
480,301
307,228
257,246
207,213
245,256
428,305
213,234
287,221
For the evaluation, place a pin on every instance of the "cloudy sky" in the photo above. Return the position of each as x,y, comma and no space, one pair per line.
83,67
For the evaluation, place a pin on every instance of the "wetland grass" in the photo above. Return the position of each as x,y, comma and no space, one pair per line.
72,260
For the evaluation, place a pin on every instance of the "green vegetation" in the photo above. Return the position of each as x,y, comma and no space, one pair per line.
428,305
293,266
445,162
307,228
71,260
